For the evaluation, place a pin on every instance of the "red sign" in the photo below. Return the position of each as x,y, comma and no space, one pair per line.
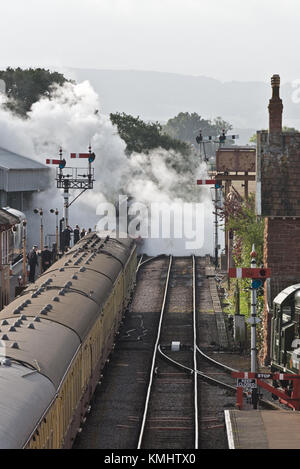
80,155
274,376
244,272
52,161
206,181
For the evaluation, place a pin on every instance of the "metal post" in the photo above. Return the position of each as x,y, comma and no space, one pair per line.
66,206
56,212
90,166
253,315
246,185
237,298
239,397
61,236
56,237
216,229
40,212
24,254
253,327
42,231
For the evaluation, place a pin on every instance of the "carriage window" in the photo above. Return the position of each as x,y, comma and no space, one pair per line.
286,314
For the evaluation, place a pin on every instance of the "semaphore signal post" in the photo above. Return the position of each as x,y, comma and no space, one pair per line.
73,178
257,275
221,141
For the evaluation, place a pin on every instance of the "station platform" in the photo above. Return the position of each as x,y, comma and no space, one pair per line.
262,429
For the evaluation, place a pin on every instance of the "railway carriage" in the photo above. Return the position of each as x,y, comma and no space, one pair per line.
55,339
11,242
285,335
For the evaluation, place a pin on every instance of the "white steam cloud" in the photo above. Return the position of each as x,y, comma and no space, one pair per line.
72,119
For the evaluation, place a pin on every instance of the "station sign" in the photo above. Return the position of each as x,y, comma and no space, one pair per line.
246,383
245,375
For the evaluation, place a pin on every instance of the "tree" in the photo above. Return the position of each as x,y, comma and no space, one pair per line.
186,126
140,136
25,87
241,220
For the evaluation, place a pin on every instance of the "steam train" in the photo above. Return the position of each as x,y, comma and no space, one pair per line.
55,339
285,331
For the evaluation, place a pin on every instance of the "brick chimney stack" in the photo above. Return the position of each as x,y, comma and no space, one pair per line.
275,107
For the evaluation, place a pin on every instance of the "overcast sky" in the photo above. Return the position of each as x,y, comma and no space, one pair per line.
223,39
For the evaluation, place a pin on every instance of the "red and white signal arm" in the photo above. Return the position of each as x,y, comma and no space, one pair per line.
244,272
206,181
80,155
48,161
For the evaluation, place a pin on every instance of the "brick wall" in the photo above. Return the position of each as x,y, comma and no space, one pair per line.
278,199
282,256
282,246
278,173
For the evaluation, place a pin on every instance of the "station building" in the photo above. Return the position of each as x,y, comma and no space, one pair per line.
278,202
20,178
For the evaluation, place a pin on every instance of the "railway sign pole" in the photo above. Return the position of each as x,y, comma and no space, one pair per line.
248,380
253,327
253,314
257,275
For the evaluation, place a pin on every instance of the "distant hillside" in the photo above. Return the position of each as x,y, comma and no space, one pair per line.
160,96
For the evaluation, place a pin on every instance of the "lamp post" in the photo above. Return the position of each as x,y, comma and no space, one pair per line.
56,212
40,212
24,253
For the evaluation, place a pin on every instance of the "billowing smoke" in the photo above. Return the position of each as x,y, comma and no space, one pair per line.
72,119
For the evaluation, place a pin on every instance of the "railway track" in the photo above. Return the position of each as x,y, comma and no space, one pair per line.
177,372
164,413
152,395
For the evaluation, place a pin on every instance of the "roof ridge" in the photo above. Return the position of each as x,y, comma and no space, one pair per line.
21,157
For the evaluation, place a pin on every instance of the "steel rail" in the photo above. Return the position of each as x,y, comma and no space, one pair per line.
197,372
139,263
154,357
214,362
196,436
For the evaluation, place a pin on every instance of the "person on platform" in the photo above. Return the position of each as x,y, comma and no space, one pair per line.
33,262
66,237
82,233
46,258
76,234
